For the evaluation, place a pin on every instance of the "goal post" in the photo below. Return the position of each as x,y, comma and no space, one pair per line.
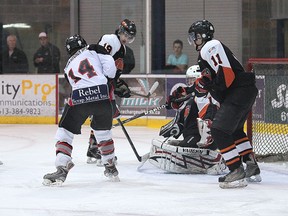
267,125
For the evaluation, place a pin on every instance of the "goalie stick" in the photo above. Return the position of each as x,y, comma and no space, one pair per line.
150,92
185,98
151,111
140,158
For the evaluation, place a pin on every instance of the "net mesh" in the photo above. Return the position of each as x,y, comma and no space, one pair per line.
270,111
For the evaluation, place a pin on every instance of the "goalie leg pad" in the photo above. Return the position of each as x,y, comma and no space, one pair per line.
205,133
183,160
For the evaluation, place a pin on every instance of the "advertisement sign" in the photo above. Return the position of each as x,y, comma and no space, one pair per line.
258,107
139,101
276,105
27,95
64,92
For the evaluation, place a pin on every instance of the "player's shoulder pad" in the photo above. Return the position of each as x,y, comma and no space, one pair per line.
111,42
210,46
98,49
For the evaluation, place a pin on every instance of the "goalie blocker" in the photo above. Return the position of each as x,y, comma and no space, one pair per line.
185,160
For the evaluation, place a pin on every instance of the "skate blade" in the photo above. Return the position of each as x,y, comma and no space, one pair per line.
236,184
255,178
215,170
113,178
57,183
94,161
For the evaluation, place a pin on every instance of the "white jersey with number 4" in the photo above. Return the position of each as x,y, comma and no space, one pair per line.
86,68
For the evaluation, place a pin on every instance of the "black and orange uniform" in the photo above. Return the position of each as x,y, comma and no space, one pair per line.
236,92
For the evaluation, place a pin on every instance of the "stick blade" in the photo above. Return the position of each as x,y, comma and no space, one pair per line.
154,87
144,158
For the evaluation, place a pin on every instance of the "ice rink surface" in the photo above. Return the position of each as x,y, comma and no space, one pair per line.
28,153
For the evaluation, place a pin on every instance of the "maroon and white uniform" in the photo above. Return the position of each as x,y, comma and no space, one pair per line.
87,72
112,44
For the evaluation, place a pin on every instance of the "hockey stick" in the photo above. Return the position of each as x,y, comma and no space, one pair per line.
187,97
151,111
150,92
140,159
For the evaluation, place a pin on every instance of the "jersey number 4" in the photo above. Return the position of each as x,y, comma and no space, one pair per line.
84,68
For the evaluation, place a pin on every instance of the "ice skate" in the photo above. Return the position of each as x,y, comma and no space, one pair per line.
252,170
57,178
93,155
234,179
217,169
111,171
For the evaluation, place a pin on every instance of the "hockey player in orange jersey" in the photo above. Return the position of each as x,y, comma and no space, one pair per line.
226,80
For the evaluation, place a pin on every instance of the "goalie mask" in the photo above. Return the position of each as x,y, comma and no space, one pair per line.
74,43
192,74
203,30
127,29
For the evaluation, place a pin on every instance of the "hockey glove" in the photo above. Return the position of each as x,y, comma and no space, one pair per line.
171,102
206,76
119,64
170,129
122,89
204,83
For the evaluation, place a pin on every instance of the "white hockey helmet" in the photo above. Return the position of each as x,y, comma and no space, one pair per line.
192,74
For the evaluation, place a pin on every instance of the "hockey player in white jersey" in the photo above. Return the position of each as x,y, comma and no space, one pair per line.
87,72
115,46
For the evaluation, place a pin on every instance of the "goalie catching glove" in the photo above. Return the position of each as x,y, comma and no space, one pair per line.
171,129
122,89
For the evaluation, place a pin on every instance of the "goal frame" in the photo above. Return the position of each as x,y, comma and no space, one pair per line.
249,68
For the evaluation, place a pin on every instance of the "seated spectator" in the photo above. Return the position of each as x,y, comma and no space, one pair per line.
47,57
14,60
129,61
177,61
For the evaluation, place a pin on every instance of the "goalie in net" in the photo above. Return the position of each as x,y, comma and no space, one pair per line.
196,152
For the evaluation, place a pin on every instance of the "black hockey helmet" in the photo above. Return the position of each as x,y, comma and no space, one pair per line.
74,43
202,27
128,28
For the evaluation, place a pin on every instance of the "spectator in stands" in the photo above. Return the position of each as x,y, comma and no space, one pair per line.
177,61
47,57
129,61
14,60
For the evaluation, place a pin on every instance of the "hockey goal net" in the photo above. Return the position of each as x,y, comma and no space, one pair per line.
267,126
